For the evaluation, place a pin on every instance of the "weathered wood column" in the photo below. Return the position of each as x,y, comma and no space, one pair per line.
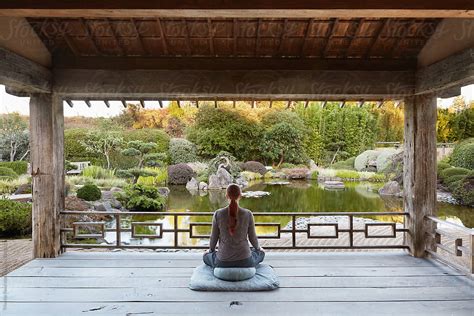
47,170
419,174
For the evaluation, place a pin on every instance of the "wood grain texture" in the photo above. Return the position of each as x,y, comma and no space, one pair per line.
125,283
21,74
419,175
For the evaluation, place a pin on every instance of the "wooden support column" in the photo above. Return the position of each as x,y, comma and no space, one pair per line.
47,170
419,174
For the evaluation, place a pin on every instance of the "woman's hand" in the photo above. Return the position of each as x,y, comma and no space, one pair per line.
207,251
261,249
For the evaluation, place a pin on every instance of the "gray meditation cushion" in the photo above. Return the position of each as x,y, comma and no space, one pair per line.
203,279
234,274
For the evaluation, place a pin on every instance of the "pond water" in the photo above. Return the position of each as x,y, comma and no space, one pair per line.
296,196
310,196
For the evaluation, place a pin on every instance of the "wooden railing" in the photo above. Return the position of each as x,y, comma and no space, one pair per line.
77,226
453,244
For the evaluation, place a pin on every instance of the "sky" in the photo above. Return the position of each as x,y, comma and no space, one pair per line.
10,104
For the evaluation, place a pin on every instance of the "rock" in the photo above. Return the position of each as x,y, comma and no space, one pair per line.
278,183
73,203
296,173
192,185
107,195
391,188
23,189
333,185
241,182
115,189
164,191
103,207
213,182
224,177
255,194
115,204
202,186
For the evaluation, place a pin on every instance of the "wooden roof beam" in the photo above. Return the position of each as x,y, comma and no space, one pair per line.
242,9
23,75
69,102
107,103
124,103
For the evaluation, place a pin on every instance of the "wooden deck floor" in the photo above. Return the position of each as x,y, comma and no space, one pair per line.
129,283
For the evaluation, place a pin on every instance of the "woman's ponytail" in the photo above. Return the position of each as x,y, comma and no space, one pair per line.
233,193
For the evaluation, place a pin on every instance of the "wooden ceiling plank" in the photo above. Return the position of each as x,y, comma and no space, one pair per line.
329,36
355,31
186,34
163,37
114,35
139,37
211,37
282,36
257,36
90,36
374,40
234,35
306,37
396,46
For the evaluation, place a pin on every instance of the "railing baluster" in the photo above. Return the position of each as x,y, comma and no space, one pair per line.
175,228
351,231
293,230
472,253
118,230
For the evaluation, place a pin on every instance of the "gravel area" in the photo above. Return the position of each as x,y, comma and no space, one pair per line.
14,253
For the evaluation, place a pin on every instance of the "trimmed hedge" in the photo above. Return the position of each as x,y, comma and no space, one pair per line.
89,192
7,173
180,173
20,167
254,166
448,172
182,151
15,218
142,198
463,154
441,166
464,192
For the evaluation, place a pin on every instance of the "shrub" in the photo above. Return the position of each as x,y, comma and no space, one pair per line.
180,173
314,175
347,164
160,176
96,172
7,174
463,154
141,198
254,166
454,178
149,135
20,167
181,151
347,174
89,192
74,149
448,172
104,183
249,175
287,165
15,218
464,192
378,177
441,166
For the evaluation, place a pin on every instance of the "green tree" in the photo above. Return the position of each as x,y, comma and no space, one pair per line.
103,142
14,137
282,142
144,153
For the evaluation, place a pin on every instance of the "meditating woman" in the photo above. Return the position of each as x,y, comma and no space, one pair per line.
233,227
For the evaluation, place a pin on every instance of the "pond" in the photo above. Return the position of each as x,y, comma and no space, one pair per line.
296,196
309,196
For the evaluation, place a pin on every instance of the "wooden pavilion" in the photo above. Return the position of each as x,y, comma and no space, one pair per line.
413,51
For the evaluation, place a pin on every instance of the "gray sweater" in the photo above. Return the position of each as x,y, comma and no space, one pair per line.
236,247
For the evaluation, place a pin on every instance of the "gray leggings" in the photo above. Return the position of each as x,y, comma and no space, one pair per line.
255,258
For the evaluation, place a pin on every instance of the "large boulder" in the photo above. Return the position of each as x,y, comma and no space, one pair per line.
164,191
224,177
214,183
202,186
296,173
366,160
391,188
192,185
384,159
103,207
73,203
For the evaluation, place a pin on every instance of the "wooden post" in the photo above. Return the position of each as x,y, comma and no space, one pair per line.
47,170
419,174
